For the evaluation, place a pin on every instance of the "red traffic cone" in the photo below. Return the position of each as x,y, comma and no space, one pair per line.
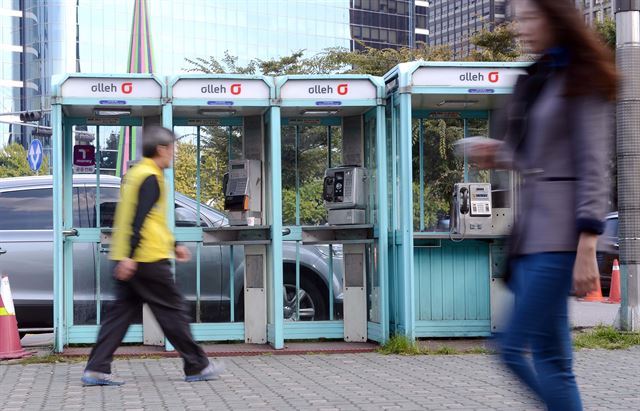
614,293
594,296
9,338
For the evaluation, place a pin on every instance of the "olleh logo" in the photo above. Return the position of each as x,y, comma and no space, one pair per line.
342,89
125,88
494,77
236,88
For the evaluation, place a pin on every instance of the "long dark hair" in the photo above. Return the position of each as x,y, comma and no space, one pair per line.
592,67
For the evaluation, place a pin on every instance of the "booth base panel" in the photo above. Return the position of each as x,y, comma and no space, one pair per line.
87,334
374,332
453,328
308,330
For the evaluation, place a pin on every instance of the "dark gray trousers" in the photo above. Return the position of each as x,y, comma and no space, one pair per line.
152,284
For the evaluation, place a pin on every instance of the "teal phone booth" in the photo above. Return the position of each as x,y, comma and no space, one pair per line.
446,263
227,163
96,119
334,195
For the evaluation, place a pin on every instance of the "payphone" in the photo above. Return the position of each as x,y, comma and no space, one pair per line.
471,212
242,192
345,195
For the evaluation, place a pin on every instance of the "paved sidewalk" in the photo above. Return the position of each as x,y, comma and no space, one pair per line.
608,380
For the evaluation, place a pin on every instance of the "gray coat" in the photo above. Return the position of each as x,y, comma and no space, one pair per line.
563,167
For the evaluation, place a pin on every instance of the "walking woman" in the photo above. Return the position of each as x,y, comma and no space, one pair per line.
558,136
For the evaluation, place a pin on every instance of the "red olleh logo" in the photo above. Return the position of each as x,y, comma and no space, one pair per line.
494,76
236,89
343,89
127,88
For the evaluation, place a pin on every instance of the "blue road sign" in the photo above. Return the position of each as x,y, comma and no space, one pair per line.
34,155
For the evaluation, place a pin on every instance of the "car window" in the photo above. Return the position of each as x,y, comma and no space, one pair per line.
187,217
32,209
109,197
611,227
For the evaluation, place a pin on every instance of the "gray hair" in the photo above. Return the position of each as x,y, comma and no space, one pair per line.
154,136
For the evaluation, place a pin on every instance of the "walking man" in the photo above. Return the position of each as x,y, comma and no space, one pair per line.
143,245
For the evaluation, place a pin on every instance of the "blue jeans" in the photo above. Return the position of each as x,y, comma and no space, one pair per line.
540,322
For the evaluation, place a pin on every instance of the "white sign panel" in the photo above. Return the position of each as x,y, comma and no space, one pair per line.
467,77
220,89
324,90
112,90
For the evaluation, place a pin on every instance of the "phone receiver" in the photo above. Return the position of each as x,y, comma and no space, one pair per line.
327,189
464,204
225,183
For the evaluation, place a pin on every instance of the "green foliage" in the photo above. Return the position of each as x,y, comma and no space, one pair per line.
607,31
185,173
606,337
377,62
312,211
499,44
14,163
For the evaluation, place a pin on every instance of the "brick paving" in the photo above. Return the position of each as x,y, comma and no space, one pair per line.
367,381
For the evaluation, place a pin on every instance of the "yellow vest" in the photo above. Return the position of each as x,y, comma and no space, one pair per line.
156,239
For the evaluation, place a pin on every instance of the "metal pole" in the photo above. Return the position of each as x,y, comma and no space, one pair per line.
628,117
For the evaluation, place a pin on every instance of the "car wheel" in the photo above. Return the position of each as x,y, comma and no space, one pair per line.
312,302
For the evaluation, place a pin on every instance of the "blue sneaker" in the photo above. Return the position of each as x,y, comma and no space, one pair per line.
92,378
213,370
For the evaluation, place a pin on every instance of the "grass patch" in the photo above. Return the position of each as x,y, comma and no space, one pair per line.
606,337
50,359
444,350
400,344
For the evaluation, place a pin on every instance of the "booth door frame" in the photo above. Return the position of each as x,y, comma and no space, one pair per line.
451,281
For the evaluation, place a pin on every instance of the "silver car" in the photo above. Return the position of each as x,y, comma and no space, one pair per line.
26,256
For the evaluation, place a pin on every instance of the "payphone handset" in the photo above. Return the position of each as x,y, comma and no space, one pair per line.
471,209
344,193
242,192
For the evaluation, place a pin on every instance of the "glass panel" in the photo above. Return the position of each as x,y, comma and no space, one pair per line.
309,270
477,128
441,169
84,285
373,284
186,279
201,160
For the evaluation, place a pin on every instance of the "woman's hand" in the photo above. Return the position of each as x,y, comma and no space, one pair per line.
586,276
483,155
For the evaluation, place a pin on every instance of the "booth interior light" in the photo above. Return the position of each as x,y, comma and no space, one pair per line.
116,112
216,113
464,103
319,112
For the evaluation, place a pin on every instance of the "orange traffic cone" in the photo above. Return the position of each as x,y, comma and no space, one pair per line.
594,296
9,338
614,293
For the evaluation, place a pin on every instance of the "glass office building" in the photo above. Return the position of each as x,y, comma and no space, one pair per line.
454,22
41,38
388,23
596,10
